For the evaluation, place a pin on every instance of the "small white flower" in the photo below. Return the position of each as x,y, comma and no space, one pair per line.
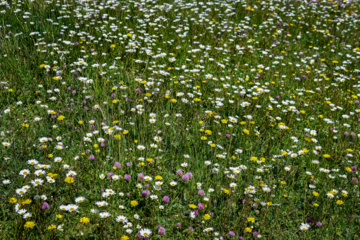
304,226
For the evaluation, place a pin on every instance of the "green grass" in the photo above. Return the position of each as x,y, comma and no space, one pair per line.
278,69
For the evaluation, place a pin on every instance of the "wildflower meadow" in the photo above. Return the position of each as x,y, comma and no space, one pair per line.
179,119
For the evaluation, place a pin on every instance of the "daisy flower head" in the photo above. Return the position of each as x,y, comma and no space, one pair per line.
145,233
304,226
140,147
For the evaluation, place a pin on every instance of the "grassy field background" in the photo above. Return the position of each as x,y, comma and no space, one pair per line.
179,119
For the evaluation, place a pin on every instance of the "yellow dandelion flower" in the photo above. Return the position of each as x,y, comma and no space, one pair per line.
51,227
339,202
29,224
251,219
69,179
84,220
248,229
254,159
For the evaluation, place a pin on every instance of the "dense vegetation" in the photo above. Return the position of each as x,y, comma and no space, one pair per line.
224,119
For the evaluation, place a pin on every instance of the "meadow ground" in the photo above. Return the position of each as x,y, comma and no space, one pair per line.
158,119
